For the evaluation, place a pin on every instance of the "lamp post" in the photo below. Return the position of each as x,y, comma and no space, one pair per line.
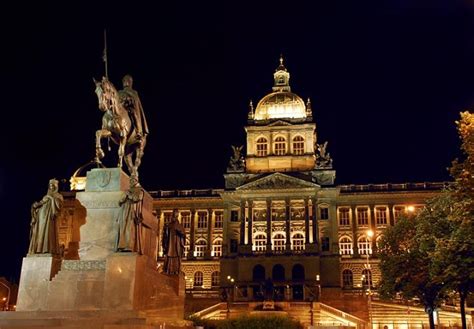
370,234
7,303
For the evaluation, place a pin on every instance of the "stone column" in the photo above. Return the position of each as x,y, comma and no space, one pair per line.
250,226
355,248
192,233
287,224
242,222
372,227
315,222
209,233
269,225
306,222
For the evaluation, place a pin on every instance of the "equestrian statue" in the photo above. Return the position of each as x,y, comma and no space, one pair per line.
123,122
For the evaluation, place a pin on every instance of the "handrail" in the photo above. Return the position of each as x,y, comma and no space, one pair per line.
342,314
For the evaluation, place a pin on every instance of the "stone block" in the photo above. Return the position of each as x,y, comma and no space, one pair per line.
107,180
36,273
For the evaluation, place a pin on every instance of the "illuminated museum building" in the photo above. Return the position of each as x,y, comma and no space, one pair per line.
280,215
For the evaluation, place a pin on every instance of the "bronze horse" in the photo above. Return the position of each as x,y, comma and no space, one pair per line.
117,126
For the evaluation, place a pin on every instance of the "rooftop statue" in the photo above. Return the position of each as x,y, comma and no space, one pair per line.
123,122
44,233
237,161
324,159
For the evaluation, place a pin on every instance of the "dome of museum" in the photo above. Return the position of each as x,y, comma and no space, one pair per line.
281,103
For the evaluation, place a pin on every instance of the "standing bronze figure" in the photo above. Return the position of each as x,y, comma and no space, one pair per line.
44,230
173,242
130,219
123,122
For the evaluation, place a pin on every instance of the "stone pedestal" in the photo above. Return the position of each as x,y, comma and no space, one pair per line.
104,280
36,273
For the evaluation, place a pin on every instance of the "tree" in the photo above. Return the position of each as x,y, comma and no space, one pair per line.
405,265
454,253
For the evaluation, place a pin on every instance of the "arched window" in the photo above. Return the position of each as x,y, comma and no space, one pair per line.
364,246
260,242
217,248
258,273
262,147
201,246
297,243
278,273
198,279
297,273
298,145
366,277
345,246
347,279
279,241
215,278
280,146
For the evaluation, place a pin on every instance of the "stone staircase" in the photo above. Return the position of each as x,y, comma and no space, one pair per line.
401,316
320,315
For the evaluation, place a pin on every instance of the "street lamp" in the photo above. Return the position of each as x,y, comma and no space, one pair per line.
370,234
8,296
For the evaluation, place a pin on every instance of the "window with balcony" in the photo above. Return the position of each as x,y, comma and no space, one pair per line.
260,241
363,244
217,248
201,247
345,246
297,242
279,241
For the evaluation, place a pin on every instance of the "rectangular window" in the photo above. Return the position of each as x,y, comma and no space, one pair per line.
344,217
233,245
398,212
381,216
325,244
219,219
362,216
324,213
202,219
186,219
234,215
167,216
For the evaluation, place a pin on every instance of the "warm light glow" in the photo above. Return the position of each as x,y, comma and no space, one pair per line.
78,183
232,280
317,277
370,233
228,277
4,298
280,105
410,208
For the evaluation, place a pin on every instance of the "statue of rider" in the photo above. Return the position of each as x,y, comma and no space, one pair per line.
130,100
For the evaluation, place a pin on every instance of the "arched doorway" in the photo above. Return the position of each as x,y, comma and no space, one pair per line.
297,276
278,273
258,278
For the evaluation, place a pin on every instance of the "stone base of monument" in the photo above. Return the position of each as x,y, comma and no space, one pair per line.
104,289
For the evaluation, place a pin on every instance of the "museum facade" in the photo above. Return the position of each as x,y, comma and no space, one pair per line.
280,218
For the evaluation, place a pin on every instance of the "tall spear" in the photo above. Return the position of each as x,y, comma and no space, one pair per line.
104,56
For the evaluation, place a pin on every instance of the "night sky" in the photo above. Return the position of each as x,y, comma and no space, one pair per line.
387,80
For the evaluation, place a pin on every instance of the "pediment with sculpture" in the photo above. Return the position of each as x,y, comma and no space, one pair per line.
278,181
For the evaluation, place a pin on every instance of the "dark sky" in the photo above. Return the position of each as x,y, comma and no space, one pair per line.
387,79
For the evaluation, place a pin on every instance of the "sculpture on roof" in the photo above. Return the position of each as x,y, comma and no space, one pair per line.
44,232
123,122
237,161
323,159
